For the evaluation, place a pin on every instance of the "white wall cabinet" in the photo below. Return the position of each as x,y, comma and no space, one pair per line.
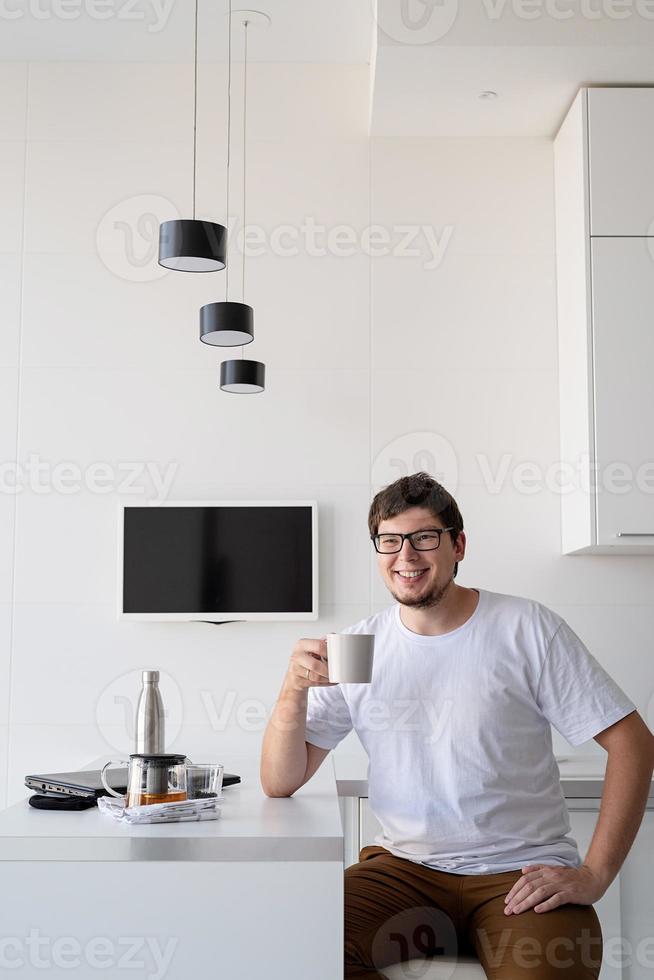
605,284
623,338
621,151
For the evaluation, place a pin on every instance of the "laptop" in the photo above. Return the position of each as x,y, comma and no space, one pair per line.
88,784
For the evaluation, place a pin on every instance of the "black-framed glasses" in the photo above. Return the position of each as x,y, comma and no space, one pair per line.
391,544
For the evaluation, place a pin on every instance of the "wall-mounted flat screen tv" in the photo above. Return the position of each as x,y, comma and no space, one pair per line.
219,562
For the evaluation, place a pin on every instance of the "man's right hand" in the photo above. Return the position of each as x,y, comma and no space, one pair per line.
308,655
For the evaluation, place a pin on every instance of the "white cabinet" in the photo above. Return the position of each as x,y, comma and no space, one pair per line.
605,285
636,878
583,818
621,154
623,339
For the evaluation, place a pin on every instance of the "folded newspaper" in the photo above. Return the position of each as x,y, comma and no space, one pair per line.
182,810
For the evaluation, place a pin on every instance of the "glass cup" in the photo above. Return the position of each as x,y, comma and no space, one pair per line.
204,780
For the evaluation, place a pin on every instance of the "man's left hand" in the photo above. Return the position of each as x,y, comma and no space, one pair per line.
543,887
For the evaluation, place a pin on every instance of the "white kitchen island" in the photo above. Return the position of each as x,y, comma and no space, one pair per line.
255,894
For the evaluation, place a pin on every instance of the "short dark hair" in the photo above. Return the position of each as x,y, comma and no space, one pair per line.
417,490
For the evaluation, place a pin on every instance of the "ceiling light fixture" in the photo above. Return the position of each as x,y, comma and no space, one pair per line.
190,245
242,377
228,324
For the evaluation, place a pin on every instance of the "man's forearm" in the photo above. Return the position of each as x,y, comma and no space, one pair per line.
284,750
626,789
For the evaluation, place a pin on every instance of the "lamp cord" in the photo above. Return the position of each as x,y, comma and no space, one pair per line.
229,134
195,102
245,103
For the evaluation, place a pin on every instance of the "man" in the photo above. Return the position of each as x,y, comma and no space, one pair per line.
462,778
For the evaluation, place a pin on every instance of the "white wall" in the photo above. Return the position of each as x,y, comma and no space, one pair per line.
370,366
111,369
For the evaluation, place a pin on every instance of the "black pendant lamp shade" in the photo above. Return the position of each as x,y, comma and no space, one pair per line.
242,377
226,324
188,245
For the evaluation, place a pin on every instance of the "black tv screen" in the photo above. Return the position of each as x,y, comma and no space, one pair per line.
219,561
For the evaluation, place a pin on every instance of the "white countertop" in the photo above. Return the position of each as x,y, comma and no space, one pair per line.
252,827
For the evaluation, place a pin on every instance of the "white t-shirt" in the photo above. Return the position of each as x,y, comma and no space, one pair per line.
461,772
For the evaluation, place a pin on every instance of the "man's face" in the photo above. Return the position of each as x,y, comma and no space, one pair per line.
419,578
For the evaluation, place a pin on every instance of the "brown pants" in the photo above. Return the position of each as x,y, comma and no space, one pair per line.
397,910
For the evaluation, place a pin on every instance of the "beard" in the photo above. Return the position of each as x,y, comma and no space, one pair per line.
427,601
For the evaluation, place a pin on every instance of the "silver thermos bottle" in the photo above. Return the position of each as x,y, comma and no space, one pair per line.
150,723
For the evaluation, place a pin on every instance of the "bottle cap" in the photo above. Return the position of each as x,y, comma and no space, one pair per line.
150,675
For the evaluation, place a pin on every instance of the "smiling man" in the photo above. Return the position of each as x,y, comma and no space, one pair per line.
474,850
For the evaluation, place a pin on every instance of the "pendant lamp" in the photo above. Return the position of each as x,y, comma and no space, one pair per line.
242,377
227,324
230,323
191,245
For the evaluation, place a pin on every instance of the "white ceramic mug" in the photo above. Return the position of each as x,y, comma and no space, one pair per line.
350,657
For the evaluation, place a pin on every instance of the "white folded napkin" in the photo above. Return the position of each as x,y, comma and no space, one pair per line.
182,810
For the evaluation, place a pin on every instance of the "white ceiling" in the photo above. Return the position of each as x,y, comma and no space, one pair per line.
434,92
314,31
433,57
433,62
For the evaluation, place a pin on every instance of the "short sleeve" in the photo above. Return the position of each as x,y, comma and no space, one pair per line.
328,717
575,693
